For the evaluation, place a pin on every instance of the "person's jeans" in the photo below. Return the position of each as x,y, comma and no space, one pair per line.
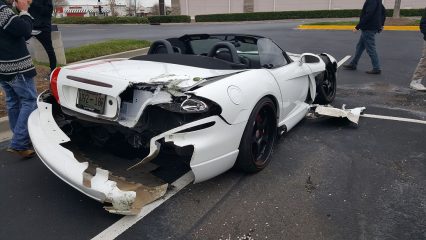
367,42
21,101
45,38
420,72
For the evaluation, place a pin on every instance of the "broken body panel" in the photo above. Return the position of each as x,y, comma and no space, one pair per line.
183,106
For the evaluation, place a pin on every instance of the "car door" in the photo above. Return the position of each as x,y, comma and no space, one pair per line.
292,77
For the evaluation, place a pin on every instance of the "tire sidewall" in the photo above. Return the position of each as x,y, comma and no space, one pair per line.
245,160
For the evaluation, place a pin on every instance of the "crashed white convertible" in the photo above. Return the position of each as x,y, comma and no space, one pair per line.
214,101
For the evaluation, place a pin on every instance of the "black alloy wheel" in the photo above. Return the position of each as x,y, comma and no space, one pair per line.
258,137
327,84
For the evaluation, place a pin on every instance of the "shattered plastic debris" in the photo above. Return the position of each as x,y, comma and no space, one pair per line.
351,114
176,81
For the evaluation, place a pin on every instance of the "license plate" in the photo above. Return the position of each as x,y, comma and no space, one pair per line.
91,101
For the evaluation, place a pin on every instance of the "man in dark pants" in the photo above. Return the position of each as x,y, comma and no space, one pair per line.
420,72
17,72
372,20
42,10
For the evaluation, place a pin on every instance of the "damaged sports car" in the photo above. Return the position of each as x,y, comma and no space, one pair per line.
120,130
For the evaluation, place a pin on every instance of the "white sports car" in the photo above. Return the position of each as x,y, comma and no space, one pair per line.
214,101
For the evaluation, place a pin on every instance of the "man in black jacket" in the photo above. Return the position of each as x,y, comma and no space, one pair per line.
372,20
42,10
17,72
420,72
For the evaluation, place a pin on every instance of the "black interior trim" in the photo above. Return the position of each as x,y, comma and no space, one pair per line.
191,60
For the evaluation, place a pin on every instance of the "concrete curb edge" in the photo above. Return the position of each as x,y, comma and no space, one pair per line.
127,54
5,133
350,27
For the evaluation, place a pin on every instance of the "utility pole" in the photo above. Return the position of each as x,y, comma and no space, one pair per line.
162,7
397,9
99,7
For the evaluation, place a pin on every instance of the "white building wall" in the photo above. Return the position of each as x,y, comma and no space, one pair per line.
198,7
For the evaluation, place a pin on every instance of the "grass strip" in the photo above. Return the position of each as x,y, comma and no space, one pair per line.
103,48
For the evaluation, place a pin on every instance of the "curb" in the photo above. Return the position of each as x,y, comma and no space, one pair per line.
351,27
6,134
127,54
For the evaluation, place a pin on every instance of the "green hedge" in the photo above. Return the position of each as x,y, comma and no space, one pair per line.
259,16
100,20
169,19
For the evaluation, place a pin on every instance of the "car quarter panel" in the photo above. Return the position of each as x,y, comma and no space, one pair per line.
239,93
293,81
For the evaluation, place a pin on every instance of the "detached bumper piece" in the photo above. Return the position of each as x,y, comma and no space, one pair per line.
120,196
351,114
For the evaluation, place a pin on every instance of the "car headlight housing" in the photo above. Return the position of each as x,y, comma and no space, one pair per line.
193,105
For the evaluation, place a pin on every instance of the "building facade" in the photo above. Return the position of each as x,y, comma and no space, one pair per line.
87,8
198,7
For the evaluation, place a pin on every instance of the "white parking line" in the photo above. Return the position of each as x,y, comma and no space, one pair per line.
394,118
126,222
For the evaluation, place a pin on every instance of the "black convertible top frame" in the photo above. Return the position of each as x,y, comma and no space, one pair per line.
189,58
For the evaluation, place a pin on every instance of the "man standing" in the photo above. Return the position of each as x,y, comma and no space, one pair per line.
420,72
42,10
17,72
372,20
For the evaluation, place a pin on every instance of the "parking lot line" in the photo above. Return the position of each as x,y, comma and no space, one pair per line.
394,118
126,222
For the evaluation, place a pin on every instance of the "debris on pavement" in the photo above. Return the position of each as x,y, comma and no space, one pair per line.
351,114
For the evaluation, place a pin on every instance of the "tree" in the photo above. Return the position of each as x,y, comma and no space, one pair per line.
58,3
112,7
131,8
397,9
155,10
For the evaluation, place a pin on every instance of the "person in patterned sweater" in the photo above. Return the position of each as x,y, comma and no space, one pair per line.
17,72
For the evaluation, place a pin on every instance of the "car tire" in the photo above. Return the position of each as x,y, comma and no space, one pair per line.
326,83
258,138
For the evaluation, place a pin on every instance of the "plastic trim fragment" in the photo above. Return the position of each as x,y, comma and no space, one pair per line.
351,114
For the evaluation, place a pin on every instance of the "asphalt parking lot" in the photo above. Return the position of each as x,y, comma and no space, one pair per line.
328,179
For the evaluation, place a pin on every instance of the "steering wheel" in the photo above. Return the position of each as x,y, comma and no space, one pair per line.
234,58
161,47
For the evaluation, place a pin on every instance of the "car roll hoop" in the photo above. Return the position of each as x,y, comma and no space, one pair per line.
161,47
233,55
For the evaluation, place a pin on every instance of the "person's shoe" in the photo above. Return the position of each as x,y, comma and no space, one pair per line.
28,153
374,71
349,67
417,85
